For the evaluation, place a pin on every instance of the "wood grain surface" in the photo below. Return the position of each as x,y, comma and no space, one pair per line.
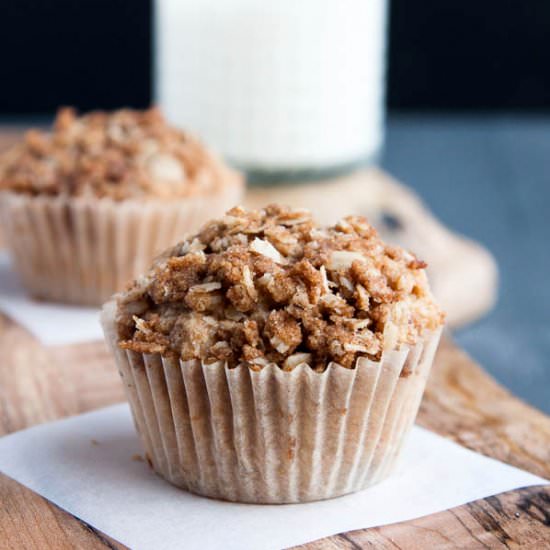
462,402
39,384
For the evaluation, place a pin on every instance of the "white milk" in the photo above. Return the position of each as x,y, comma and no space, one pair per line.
275,84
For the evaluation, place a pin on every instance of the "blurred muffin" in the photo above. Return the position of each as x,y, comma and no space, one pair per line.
84,208
269,360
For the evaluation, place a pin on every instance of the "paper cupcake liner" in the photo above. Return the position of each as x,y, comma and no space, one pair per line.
272,436
80,250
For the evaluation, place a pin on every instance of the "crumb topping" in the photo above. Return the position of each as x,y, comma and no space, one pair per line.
120,155
266,286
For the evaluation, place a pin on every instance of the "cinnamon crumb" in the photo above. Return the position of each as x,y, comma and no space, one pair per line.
270,286
120,155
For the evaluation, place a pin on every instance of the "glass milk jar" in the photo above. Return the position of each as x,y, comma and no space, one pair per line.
282,86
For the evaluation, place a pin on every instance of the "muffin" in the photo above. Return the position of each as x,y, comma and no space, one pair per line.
268,360
86,207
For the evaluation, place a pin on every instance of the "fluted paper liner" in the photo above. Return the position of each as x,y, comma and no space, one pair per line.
82,250
272,436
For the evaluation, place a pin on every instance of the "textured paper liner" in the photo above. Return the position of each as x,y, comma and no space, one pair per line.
272,436
80,250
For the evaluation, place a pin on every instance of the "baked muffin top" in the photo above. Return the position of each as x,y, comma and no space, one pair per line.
120,155
266,286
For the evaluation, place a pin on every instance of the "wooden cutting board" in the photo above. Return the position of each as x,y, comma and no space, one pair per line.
462,402
463,274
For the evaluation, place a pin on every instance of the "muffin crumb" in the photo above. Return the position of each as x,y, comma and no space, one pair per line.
270,286
120,155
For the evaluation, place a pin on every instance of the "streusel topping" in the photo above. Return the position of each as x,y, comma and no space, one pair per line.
266,286
120,155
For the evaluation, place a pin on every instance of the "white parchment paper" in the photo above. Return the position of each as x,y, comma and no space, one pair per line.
87,465
53,324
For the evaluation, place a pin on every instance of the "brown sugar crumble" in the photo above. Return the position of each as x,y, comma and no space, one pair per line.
270,286
120,155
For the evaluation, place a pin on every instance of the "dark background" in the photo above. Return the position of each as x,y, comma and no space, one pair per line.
443,55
